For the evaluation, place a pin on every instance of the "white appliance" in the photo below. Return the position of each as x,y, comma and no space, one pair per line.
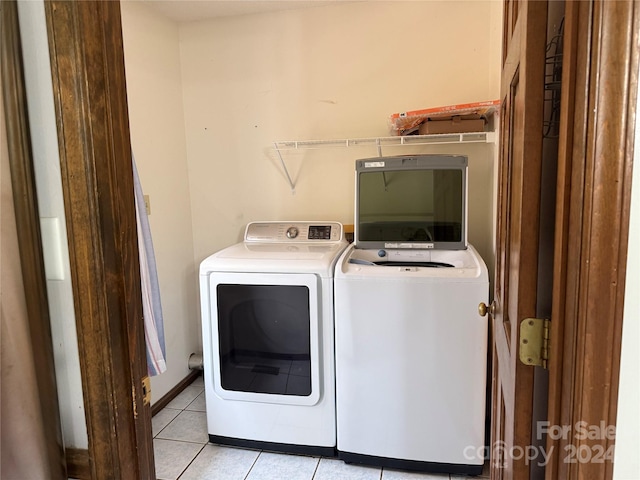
268,338
411,357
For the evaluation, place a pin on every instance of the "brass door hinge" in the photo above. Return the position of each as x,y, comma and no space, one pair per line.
534,341
146,390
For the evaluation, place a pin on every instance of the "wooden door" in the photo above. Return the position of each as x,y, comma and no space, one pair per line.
522,84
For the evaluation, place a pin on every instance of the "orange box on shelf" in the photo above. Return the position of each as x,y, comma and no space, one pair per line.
405,121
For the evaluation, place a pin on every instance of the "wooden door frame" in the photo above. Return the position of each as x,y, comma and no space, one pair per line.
87,60
28,229
87,64
600,86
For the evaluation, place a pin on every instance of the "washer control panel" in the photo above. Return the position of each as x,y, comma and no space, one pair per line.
312,232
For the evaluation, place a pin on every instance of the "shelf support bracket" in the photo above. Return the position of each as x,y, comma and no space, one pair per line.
286,170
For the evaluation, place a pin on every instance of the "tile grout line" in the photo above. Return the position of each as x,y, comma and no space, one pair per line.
168,423
191,462
316,469
253,465
201,447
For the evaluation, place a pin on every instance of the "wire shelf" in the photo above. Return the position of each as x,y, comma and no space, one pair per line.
379,142
439,139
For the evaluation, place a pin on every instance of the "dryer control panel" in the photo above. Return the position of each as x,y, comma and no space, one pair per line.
283,232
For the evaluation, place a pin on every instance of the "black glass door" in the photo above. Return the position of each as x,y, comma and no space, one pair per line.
264,338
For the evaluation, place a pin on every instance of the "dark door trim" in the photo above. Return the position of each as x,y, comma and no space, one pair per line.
28,229
87,62
599,91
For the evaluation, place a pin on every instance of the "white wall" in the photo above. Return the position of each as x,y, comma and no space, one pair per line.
154,91
33,32
334,71
627,453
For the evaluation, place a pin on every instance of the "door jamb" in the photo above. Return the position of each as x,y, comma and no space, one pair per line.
600,86
87,63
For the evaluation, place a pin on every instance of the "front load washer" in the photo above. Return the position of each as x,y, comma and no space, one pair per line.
268,338
411,356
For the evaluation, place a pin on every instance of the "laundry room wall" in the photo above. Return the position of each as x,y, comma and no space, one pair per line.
154,90
207,99
329,72
626,461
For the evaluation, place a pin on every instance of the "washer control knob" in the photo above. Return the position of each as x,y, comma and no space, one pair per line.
382,253
292,232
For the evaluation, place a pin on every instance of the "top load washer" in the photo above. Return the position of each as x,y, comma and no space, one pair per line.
268,337
411,350
411,359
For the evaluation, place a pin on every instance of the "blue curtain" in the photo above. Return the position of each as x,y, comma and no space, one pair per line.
151,306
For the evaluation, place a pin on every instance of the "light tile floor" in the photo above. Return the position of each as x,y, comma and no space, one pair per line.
182,452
